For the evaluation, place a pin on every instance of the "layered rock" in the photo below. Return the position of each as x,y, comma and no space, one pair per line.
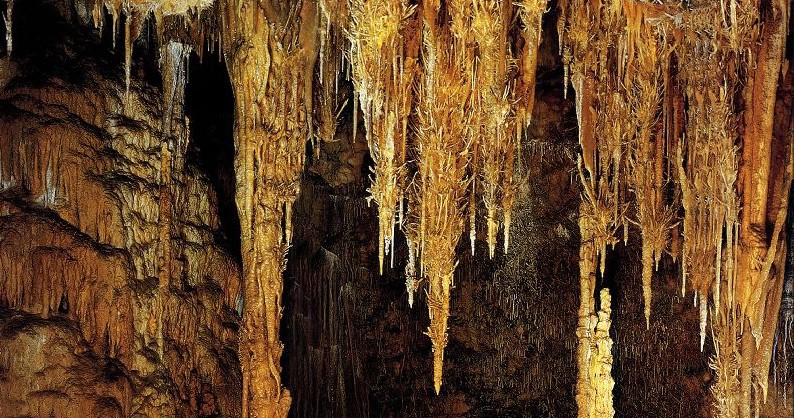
106,228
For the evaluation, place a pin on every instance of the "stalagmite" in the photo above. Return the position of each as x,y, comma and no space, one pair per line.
601,361
588,262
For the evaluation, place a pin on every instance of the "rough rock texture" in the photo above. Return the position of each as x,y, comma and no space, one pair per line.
55,373
107,231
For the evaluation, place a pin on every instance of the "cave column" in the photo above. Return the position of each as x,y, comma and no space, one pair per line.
759,288
270,56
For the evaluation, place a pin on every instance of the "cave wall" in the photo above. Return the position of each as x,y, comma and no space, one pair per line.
110,245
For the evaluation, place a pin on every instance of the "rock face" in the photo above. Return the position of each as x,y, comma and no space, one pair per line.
54,373
111,235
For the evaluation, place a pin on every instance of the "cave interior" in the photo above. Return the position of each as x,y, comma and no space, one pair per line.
396,208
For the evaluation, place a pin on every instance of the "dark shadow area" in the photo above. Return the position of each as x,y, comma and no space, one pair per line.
209,106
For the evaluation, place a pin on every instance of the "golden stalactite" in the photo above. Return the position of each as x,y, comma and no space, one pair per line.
530,12
442,159
271,49
495,135
383,59
646,146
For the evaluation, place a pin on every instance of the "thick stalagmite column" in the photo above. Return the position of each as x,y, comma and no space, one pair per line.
588,260
601,361
270,50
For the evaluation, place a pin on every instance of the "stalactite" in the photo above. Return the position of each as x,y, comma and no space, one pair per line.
442,160
128,40
411,282
383,61
333,19
530,13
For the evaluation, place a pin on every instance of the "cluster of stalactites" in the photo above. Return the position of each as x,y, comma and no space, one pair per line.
194,23
384,38
471,107
383,60
502,101
653,65
727,258
708,187
617,59
460,162
648,139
